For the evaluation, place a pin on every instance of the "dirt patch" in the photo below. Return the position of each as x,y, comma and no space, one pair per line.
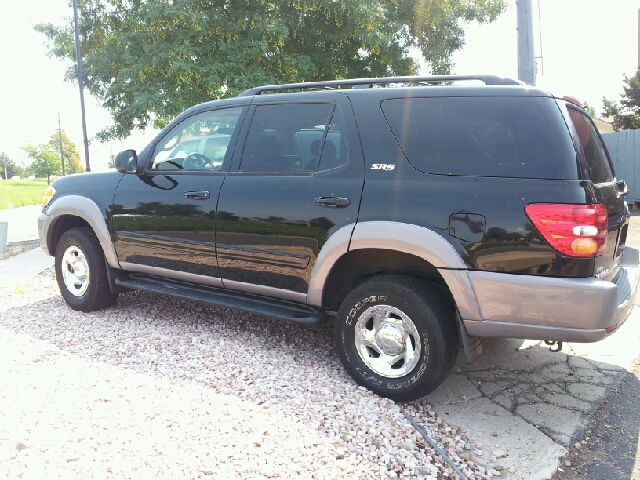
16,248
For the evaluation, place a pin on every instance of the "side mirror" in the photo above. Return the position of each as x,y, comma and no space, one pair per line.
127,161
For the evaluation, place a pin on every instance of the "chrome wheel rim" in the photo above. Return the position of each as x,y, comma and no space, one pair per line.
75,271
387,341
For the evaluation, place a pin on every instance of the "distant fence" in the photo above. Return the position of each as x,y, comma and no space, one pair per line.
624,148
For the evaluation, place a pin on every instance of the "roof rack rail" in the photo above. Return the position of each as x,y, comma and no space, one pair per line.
369,82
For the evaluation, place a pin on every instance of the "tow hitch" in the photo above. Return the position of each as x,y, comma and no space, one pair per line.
552,343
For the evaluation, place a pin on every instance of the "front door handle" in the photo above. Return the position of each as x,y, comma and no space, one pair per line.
332,202
197,194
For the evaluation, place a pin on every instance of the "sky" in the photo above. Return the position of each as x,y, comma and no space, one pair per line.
587,46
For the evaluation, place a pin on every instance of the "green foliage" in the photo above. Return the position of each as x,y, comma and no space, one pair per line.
72,162
8,167
590,109
18,193
45,161
149,60
626,112
45,157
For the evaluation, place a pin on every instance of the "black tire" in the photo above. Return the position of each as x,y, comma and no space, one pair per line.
433,321
83,296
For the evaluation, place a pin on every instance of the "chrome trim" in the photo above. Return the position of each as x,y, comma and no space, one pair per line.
75,271
82,207
265,291
392,338
332,250
176,275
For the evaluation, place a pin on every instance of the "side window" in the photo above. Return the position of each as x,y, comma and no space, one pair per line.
599,169
280,137
199,143
522,137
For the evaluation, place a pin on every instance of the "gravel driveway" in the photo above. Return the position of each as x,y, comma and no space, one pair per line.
162,387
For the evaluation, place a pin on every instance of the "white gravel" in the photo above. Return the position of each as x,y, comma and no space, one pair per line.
156,386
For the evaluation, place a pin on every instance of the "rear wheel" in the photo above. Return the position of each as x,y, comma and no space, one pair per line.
396,337
81,271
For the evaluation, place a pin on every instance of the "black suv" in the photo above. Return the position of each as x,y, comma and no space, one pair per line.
423,215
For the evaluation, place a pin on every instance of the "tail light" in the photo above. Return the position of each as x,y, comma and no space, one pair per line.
572,230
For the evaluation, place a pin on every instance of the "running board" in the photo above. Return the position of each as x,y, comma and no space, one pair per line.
219,297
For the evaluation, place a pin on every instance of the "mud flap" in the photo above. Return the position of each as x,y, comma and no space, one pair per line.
472,346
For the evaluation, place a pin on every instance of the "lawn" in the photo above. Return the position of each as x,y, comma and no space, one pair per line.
18,193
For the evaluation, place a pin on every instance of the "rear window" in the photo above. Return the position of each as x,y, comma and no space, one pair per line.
597,163
483,136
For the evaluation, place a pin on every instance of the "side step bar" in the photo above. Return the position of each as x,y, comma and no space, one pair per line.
218,297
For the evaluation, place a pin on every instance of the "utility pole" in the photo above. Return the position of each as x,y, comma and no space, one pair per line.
61,149
81,84
526,53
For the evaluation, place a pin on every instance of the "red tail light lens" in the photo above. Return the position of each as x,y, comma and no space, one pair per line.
572,230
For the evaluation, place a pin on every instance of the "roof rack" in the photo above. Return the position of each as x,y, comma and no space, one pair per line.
370,82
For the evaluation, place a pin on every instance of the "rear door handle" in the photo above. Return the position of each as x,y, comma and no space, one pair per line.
197,194
332,202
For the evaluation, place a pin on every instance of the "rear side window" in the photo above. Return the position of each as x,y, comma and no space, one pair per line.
483,136
598,167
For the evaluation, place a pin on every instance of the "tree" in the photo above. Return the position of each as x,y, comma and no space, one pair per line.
45,161
72,161
626,113
590,109
8,168
148,60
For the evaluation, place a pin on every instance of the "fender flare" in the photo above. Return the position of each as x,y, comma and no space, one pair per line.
85,208
401,237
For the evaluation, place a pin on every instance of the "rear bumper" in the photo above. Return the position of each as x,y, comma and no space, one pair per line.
561,309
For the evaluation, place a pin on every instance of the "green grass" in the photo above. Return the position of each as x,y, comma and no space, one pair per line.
18,193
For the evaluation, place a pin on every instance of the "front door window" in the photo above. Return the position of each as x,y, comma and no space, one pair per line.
199,143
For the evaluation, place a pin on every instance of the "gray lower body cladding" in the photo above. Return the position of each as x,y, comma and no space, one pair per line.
562,309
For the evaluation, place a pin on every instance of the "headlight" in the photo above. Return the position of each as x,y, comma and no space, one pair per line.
48,195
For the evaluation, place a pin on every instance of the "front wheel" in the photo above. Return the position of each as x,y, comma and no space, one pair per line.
81,271
396,337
